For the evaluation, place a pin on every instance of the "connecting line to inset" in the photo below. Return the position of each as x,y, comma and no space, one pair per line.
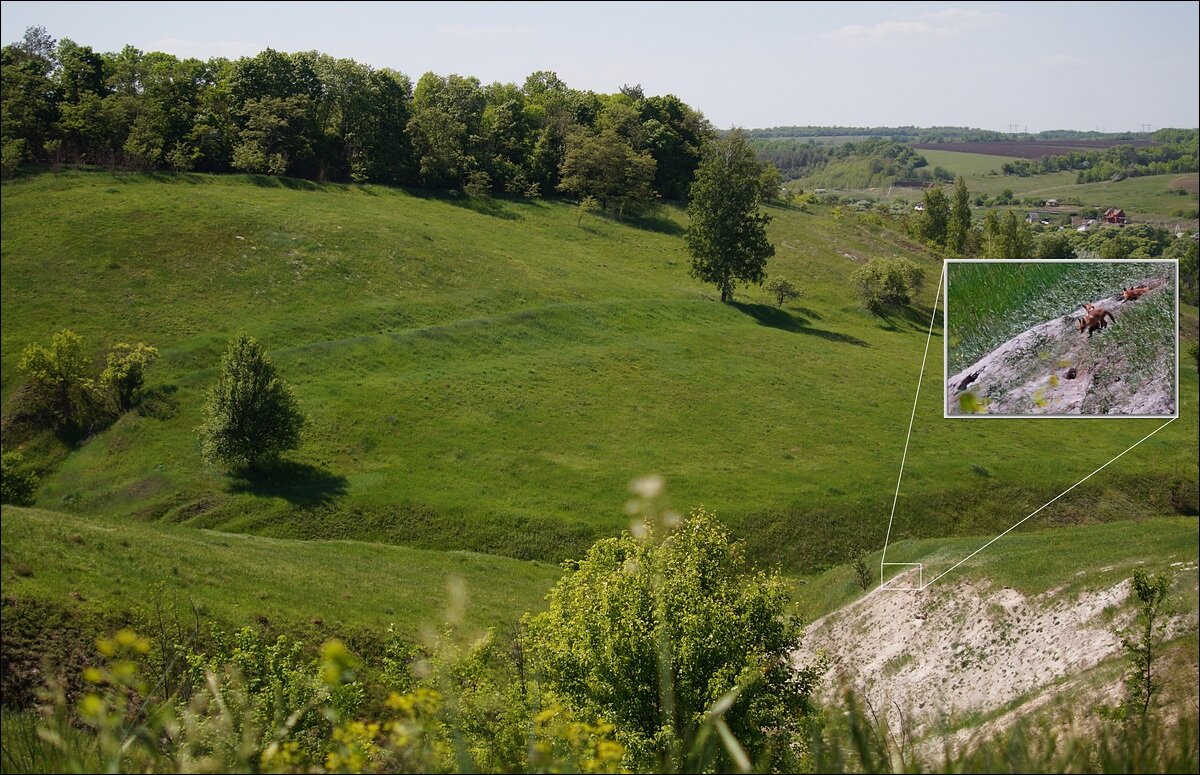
1044,505
932,318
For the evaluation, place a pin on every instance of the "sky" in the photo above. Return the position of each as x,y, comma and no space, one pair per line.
1089,66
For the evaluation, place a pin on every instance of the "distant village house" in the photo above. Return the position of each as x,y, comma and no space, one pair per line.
1113,215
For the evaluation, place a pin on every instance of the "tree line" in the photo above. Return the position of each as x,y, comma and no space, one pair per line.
311,115
1176,153
945,134
879,161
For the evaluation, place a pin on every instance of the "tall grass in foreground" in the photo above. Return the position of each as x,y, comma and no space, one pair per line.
469,702
425,731
857,739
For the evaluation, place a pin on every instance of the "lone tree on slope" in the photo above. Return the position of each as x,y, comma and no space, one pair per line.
251,415
726,233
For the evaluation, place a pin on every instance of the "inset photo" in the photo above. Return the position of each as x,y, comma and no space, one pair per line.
1061,338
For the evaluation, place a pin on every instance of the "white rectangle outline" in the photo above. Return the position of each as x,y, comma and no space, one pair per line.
920,577
946,340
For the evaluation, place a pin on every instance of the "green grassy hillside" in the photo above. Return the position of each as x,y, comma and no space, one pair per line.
489,377
235,580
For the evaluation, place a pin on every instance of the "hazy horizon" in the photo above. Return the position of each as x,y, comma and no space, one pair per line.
1035,66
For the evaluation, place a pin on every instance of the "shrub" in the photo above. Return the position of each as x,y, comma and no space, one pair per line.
282,696
17,485
887,282
12,153
479,185
125,373
663,632
862,572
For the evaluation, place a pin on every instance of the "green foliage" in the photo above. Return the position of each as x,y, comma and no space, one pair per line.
726,234
935,218
958,230
272,140
1015,237
280,697
1007,237
770,182
125,372
310,115
862,572
251,415
652,630
478,186
17,484
1055,245
1142,642
588,204
1175,151
12,153
887,282
58,376
1187,251
858,163
783,290
260,705
604,165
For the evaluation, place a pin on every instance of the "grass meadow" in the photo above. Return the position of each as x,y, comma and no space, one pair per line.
489,376
233,579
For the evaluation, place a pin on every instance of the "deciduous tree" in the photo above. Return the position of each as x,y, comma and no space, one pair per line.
727,233
935,218
959,229
251,415
125,372
604,165
782,289
58,378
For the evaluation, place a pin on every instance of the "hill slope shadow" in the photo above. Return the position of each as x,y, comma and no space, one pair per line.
301,484
910,317
776,317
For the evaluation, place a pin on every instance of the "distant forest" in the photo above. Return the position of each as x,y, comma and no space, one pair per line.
936,134
310,115
871,161
1175,152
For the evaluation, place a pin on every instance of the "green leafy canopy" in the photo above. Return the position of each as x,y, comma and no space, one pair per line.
726,233
251,415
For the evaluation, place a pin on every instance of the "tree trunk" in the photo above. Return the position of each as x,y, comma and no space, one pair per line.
726,292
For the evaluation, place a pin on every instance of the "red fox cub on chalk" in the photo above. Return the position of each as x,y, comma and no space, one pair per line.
1094,319
1133,294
